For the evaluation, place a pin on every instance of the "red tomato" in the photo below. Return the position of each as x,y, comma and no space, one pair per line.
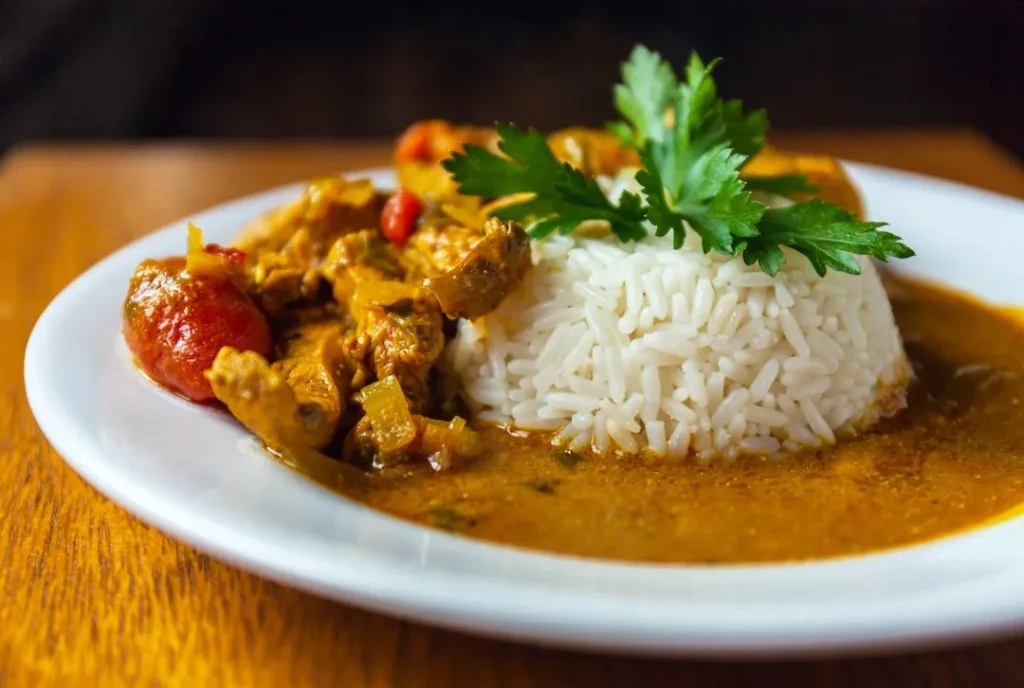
398,219
176,323
432,140
414,143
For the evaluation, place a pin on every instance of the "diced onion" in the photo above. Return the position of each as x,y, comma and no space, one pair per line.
454,438
391,422
195,239
199,262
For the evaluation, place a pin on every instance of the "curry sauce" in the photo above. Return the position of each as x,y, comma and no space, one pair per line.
952,460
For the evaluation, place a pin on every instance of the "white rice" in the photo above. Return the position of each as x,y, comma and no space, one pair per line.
643,347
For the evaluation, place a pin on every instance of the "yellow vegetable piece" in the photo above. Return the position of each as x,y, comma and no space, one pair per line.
197,261
391,422
199,264
498,203
427,180
455,438
195,239
470,218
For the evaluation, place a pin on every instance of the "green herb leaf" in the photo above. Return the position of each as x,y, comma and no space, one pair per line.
788,185
697,109
711,121
622,132
530,163
829,236
648,86
745,132
702,121
712,199
659,212
563,197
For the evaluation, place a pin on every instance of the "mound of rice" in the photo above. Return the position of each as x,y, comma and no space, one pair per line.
643,347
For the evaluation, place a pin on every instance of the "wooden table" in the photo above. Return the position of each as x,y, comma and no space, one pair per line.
91,596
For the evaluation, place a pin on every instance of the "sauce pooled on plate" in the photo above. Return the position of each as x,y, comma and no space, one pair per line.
952,460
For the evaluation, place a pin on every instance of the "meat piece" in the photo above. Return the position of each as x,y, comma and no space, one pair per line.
175,323
400,333
364,248
298,400
361,255
406,339
278,279
437,248
328,208
353,259
288,245
495,266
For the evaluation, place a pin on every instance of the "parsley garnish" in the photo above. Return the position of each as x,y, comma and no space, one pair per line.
563,197
707,194
648,87
828,235
692,146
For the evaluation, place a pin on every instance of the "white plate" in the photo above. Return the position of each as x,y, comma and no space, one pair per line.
197,476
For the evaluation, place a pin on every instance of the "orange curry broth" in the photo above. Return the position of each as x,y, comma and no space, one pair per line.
953,460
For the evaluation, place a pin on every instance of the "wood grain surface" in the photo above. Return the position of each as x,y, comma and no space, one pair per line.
91,596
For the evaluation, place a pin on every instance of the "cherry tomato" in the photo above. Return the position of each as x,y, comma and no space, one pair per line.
435,139
398,219
176,323
414,143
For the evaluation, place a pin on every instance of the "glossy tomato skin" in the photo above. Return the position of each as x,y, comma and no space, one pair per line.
175,324
399,216
414,143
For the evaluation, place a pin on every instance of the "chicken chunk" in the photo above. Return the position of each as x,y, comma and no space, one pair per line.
361,255
437,248
400,333
279,279
328,208
489,272
296,402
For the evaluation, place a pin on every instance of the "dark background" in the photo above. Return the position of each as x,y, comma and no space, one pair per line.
89,69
